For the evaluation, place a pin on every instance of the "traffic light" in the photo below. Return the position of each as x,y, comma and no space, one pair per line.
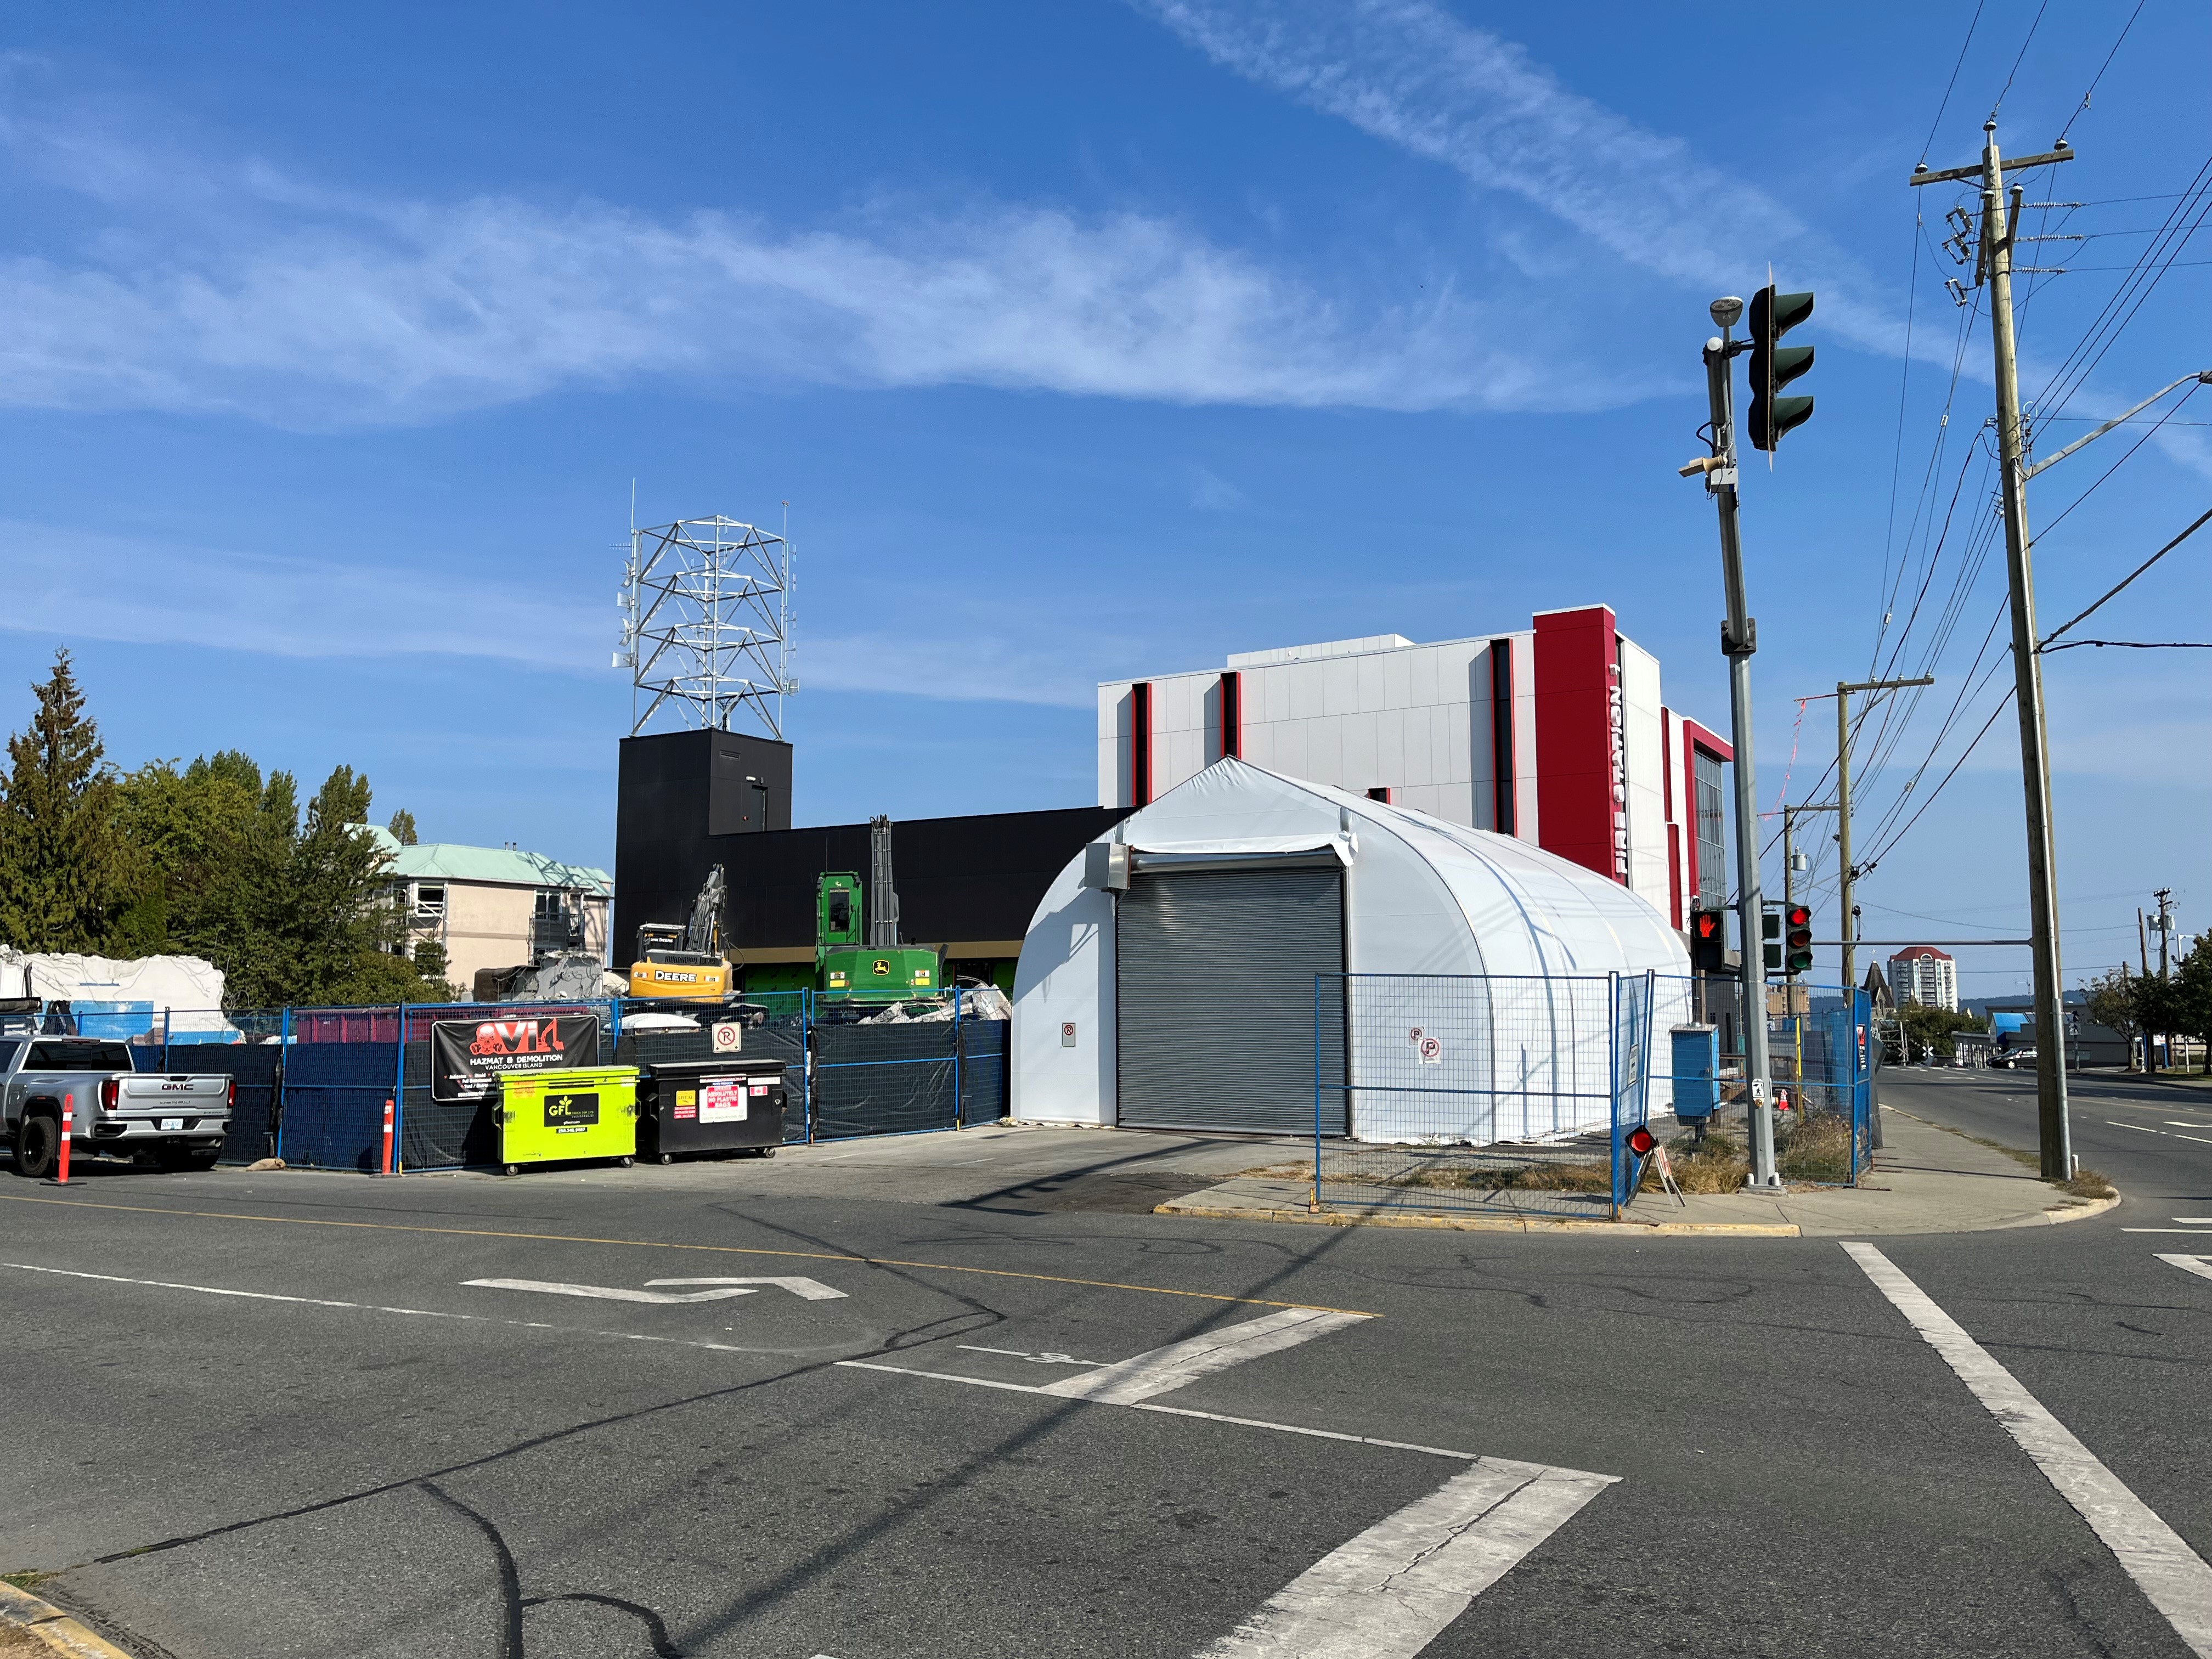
1770,937
1797,943
1773,366
1708,941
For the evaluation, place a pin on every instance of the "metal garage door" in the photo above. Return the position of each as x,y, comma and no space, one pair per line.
1215,997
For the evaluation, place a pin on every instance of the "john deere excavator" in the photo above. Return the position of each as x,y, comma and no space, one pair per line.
684,960
882,969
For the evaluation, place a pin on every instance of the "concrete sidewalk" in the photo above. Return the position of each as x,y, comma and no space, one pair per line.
1925,1180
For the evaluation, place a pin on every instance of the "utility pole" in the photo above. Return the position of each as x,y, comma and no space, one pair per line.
2165,926
1739,641
1847,872
2055,1132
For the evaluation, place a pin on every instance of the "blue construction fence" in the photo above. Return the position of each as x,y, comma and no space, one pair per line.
241,1043
1506,1094
314,1083
1823,1056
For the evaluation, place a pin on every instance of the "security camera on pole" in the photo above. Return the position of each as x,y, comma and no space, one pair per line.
1773,366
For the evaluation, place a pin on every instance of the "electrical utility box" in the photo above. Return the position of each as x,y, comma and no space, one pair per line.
1697,1060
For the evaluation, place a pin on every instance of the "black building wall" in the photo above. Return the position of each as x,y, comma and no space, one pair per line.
685,802
676,792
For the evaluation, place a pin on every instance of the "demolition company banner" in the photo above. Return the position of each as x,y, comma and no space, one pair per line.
468,1056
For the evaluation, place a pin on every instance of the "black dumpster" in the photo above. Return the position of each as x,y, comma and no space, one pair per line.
730,1105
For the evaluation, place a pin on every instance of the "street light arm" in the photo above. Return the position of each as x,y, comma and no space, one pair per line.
2202,379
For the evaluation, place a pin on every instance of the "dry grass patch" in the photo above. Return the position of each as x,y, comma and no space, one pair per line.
1716,1164
2088,1183
1818,1149
1276,1172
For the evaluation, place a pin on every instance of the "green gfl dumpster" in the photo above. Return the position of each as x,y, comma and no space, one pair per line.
587,1112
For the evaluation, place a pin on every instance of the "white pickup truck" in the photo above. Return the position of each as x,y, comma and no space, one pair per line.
179,1117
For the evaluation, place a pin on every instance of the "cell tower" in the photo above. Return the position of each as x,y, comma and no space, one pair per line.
706,608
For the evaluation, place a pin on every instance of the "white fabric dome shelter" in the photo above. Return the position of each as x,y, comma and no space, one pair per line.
1499,953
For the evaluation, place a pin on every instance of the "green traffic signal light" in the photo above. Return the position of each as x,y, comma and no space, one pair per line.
1773,366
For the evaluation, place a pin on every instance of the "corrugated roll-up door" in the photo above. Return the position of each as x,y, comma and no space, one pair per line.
1215,998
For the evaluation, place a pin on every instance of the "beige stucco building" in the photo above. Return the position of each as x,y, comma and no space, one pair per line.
496,906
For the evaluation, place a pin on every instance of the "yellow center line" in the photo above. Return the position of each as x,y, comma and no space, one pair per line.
667,1244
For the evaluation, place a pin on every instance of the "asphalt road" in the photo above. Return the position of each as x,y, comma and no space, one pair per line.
271,1414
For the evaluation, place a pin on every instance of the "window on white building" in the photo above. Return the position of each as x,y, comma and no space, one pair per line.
1713,840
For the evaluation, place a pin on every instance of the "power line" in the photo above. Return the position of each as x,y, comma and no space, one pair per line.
2130,577
1929,800
2101,68
2137,645
2021,58
1971,24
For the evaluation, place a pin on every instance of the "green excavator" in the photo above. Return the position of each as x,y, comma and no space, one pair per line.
859,957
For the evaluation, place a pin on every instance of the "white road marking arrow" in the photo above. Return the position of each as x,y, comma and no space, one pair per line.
809,1289
603,1292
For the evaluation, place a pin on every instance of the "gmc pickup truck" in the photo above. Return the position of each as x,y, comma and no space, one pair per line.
179,1117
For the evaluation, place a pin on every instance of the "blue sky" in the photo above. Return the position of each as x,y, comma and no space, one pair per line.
1082,340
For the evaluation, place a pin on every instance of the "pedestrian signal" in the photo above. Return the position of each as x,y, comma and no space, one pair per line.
1708,941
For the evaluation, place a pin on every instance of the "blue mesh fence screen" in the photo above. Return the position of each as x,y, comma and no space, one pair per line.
1503,1093
334,1095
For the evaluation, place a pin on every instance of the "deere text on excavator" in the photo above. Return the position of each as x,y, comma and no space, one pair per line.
685,960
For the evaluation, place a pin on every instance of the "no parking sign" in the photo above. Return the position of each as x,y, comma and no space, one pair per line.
1428,1049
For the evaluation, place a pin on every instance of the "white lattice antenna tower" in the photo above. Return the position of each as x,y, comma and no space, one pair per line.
707,621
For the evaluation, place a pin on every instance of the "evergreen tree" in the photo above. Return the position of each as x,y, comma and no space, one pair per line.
65,871
402,827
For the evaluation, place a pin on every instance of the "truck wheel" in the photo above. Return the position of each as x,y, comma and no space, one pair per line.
172,1156
38,1146
205,1160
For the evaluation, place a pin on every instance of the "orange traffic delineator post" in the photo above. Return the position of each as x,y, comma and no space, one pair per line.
69,1122
387,1137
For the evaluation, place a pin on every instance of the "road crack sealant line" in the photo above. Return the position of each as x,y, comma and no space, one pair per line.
672,1244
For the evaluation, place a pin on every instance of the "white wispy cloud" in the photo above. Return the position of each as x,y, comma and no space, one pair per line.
239,288
1409,73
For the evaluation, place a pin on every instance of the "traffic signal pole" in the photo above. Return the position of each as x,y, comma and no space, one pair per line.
1739,639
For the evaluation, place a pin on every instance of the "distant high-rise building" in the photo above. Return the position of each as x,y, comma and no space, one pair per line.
1922,973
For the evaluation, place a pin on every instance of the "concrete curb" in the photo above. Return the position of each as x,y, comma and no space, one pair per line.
2059,1217
21,1610
1490,1223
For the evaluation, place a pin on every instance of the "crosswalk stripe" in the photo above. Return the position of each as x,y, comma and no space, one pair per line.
2173,1576
1392,1590
2199,1265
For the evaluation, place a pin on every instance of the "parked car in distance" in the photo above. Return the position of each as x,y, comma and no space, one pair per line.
180,1118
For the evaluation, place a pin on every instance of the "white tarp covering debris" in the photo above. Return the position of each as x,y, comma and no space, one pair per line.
190,985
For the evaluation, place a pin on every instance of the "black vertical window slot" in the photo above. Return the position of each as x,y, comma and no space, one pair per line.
1501,733
1140,744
